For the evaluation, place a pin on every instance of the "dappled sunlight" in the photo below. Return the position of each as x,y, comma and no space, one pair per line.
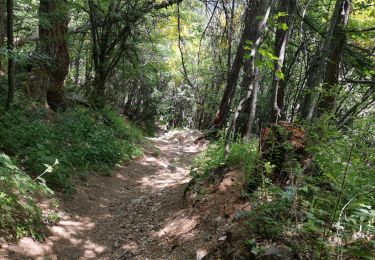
138,210
157,183
69,230
170,172
121,177
130,246
168,176
179,228
150,161
31,247
92,250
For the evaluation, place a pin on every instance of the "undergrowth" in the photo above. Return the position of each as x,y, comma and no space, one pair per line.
75,142
83,141
328,213
19,213
241,156
211,165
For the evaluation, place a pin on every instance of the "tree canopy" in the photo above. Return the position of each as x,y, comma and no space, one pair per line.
294,80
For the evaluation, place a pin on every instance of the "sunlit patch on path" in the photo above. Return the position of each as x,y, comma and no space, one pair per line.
138,212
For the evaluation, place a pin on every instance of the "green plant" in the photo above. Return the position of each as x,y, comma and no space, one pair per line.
19,214
241,155
83,141
328,213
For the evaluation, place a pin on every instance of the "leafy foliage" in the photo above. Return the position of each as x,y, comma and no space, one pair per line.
19,213
241,155
331,212
81,139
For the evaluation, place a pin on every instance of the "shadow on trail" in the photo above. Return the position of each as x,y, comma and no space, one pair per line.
138,212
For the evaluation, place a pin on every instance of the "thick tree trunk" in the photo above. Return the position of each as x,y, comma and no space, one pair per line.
233,76
319,66
251,38
281,41
233,122
48,75
10,47
98,95
331,77
250,78
2,30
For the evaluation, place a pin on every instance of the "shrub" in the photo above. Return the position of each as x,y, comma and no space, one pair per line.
241,156
83,140
330,214
325,215
19,213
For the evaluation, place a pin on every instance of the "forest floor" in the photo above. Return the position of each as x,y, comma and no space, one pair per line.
139,212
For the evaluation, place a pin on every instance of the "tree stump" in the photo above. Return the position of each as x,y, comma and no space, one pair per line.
282,151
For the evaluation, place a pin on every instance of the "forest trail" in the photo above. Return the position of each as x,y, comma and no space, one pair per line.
138,213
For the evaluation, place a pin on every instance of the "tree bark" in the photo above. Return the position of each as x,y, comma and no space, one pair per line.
250,39
319,65
52,59
250,78
331,78
253,106
10,47
233,122
233,75
77,61
2,29
281,42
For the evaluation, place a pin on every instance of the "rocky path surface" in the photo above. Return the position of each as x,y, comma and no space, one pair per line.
138,213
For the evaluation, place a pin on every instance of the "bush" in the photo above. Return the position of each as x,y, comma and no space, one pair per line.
331,213
19,213
82,140
241,156
327,214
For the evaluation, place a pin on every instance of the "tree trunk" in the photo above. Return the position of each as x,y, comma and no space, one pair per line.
233,73
250,78
100,80
52,59
77,61
2,30
331,78
281,41
233,122
251,35
10,46
253,106
319,65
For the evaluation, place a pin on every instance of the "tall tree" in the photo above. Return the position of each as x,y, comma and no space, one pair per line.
112,26
284,23
2,27
233,74
256,16
332,42
250,81
257,21
51,62
10,47
331,76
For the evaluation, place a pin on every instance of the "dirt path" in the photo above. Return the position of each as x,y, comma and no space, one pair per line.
138,213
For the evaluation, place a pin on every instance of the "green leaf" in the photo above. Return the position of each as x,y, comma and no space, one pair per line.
280,75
